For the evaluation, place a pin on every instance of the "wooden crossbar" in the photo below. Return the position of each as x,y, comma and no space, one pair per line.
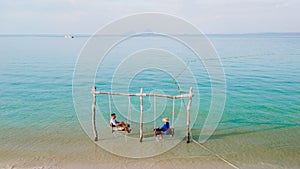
142,94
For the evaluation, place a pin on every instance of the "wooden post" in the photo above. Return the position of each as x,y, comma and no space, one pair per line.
188,135
94,114
141,115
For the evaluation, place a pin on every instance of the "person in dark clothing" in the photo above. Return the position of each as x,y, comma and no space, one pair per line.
163,128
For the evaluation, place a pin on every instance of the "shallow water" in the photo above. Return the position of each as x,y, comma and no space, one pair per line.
259,126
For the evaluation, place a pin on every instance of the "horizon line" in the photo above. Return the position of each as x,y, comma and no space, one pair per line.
246,33
81,35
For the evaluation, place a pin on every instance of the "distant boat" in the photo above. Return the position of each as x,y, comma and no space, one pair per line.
69,36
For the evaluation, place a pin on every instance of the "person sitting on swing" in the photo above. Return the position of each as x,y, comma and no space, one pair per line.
115,123
160,130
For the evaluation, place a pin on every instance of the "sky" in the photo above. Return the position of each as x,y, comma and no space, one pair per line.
209,16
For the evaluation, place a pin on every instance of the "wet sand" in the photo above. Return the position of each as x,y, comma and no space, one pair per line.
73,149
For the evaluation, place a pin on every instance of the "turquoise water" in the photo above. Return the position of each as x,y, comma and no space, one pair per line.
262,82
262,76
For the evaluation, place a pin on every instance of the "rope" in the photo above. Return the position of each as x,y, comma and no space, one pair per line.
154,107
128,117
183,70
217,155
109,104
128,111
173,113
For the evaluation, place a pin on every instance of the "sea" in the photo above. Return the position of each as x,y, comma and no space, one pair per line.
259,126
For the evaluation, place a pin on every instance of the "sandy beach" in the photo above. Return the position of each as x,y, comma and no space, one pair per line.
73,149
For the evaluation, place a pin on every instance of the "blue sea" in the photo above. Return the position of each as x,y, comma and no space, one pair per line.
259,126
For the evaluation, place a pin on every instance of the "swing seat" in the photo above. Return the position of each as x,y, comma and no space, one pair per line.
117,129
170,132
113,129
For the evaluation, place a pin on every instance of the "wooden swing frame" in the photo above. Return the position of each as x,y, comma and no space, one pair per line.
141,95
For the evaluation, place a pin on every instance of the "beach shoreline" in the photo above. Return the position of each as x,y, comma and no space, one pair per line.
78,151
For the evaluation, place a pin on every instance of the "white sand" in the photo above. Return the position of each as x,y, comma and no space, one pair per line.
49,149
